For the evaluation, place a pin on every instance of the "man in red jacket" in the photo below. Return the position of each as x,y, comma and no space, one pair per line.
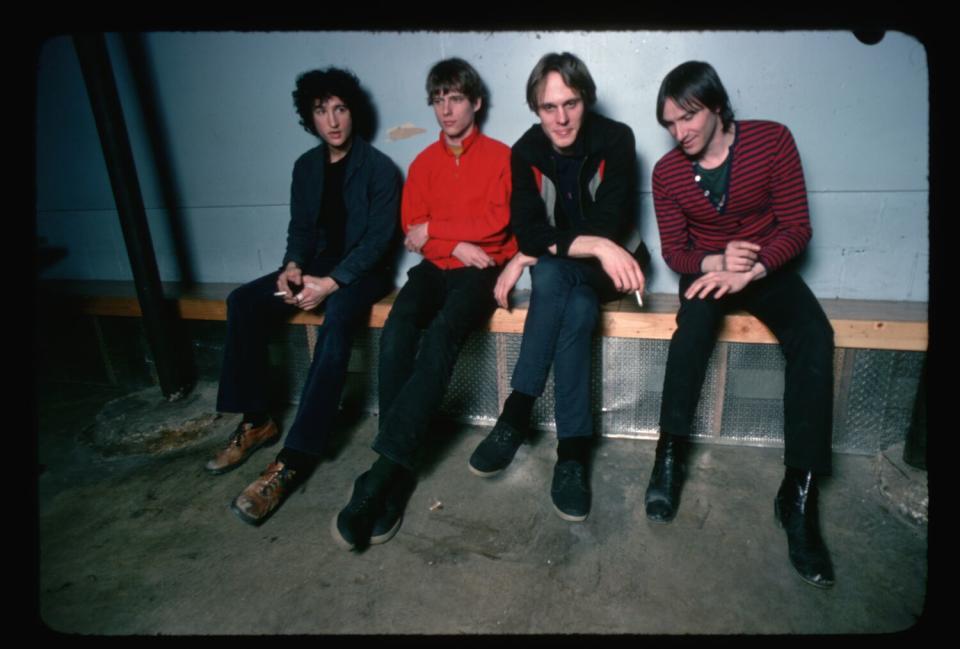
731,207
455,212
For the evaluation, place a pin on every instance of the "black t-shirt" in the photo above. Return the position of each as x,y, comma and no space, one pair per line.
714,182
568,188
333,211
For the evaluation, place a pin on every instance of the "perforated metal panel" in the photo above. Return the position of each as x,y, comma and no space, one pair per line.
753,397
877,407
741,401
632,379
472,393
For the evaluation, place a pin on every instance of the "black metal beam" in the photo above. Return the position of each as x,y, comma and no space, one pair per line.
105,101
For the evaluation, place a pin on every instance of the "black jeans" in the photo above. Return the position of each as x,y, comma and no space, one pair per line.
784,303
252,310
564,309
430,319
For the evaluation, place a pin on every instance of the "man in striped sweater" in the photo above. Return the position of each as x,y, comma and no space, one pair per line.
732,212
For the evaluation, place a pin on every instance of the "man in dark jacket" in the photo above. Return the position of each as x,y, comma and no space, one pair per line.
574,184
344,203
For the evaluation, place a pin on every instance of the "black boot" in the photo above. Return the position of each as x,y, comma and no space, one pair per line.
796,510
666,480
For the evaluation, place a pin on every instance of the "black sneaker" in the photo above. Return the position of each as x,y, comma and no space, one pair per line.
388,523
495,453
570,491
353,527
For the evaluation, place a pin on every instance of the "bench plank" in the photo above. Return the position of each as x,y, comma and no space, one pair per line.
857,324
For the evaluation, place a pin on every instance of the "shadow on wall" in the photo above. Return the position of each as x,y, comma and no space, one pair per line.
366,117
635,241
153,122
48,256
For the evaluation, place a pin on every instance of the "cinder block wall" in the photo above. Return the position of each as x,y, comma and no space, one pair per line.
215,137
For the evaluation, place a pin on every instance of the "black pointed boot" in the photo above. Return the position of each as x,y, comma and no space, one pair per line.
666,480
797,512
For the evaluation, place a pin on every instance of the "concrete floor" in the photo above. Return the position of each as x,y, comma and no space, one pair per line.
145,543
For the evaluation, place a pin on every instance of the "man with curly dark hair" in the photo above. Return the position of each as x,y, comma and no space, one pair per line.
344,202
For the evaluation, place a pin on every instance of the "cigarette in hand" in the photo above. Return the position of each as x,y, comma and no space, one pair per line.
639,299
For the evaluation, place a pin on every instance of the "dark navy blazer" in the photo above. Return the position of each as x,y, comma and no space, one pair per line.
371,195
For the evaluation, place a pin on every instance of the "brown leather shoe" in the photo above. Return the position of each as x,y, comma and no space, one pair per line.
255,503
243,442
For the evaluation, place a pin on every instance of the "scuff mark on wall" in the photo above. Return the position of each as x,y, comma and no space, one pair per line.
404,131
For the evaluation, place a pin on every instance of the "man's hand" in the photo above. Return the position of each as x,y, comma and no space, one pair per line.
509,277
619,264
472,255
740,256
315,291
622,268
416,237
722,282
290,275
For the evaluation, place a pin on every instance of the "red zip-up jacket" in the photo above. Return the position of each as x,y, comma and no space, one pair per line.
464,198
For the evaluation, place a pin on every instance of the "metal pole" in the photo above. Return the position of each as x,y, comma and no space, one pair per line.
105,101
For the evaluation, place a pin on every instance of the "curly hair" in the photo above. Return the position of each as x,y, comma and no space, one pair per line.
333,82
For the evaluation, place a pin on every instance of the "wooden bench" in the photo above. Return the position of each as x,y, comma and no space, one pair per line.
857,324
869,406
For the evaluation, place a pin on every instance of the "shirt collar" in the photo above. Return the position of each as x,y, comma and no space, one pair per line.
466,144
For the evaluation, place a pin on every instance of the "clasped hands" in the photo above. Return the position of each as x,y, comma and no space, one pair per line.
729,272
315,289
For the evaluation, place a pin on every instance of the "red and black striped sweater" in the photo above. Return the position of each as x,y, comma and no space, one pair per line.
766,201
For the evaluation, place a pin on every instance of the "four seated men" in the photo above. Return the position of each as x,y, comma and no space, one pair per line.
731,209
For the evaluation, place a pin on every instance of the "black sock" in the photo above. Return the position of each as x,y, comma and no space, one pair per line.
256,418
517,409
574,448
298,461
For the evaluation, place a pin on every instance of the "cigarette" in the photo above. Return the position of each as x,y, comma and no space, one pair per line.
279,294
639,299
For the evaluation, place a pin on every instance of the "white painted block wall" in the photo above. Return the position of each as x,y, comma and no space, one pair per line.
859,114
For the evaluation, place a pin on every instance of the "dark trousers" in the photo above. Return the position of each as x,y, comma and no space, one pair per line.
564,309
430,319
784,303
252,310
